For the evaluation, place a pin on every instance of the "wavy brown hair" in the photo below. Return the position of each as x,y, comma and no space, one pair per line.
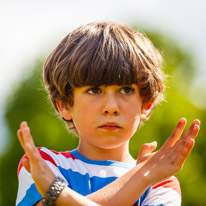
104,53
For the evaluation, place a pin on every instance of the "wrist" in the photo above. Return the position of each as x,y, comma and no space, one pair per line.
54,191
70,197
144,175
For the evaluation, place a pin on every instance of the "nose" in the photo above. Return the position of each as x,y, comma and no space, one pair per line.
110,105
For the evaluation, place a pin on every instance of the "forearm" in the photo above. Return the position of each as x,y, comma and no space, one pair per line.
125,191
70,197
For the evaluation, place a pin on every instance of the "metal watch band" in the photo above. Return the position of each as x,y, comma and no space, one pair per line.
54,191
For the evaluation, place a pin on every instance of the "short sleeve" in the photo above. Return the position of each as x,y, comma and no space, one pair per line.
27,191
166,193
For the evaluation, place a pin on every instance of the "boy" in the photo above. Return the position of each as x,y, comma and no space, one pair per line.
103,79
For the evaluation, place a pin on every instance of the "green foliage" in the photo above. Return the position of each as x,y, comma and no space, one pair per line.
29,102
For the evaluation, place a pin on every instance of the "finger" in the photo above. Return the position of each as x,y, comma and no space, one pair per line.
147,148
26,164
20,138
184,153
20,134
23,125
26,136
177,132
29,146
184,146
192,131
196,121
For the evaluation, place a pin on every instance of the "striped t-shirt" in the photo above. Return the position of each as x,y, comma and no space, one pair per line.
87,176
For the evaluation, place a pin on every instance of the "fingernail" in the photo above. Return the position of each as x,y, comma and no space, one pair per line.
182,120
154,142
197,121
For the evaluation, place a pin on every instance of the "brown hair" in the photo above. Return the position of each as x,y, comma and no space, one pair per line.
104,53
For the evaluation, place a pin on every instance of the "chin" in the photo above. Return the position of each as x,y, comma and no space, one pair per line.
110,146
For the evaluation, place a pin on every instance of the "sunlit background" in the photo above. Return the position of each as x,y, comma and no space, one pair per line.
29,30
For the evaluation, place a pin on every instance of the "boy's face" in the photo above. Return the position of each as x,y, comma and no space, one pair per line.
105,117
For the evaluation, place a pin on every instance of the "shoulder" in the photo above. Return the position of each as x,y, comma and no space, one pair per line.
172,184
53,158
167,192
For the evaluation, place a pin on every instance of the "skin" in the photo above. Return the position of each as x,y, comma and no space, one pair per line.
109,123
102,108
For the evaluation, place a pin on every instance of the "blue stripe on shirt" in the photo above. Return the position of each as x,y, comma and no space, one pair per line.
102,162
84,184
32,196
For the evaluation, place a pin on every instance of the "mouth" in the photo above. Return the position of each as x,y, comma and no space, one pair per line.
110,126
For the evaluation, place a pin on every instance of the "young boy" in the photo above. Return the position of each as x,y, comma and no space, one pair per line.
104,79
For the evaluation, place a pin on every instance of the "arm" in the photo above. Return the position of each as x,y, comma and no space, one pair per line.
151,169
42,174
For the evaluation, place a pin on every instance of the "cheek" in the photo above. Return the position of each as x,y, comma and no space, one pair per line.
134,117
135,124
136,121
83,118
134,112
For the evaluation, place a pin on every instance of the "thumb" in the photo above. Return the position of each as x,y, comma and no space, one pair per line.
147,148
26,164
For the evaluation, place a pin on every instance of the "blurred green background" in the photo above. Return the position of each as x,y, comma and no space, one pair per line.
29,102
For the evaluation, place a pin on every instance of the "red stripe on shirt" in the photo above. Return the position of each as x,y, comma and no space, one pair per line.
66,154
20,164
44,155
172,183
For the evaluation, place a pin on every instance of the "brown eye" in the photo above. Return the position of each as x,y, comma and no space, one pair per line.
127,90
94,90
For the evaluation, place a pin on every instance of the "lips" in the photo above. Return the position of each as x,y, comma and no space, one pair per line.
110,126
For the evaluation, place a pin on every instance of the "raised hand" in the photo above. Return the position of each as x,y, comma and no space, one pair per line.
169,159
40,171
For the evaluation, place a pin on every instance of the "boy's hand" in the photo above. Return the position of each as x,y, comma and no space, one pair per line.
40,171
169,159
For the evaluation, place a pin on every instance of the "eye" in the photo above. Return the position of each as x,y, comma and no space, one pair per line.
94,90
127,90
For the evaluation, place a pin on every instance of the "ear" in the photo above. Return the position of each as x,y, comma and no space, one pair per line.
145,111
63,110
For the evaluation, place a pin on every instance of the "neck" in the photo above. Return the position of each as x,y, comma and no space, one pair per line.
120,153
